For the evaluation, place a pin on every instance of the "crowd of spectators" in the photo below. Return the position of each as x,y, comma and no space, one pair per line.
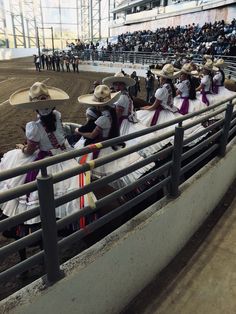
217,38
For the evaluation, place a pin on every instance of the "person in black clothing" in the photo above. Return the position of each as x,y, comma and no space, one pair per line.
43,60
133,90
149,84
91,114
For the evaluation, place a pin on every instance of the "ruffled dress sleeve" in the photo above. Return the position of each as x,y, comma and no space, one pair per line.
32,132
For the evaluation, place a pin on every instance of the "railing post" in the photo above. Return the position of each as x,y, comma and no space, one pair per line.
176,159
224,137
49,227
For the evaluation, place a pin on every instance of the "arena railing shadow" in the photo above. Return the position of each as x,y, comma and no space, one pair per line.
173,165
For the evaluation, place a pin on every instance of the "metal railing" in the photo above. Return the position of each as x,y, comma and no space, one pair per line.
171,164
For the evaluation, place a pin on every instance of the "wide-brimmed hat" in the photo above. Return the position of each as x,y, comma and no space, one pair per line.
101,96
209,65
119,77
220,63
26,98
186,69
168,71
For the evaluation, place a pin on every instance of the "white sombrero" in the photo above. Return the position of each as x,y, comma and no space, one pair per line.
220,63
168,71
26,98
209,65
102,96
119,77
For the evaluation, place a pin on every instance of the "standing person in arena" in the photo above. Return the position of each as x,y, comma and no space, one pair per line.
149,84
45,137
186,100
133,90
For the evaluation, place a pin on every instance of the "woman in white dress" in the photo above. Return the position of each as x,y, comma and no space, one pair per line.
127,119
45,137
106,128
163,109
205,89
219,80
186,100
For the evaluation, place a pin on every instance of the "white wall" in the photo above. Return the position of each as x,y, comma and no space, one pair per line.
107,276
8,53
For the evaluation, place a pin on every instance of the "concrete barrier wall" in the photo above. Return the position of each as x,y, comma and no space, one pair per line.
107,276
8,53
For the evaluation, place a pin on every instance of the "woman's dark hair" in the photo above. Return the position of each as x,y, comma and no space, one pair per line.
115,130
223,76
211,78
49,122
192,90
169,81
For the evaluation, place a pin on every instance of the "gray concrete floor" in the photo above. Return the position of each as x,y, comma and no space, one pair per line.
202,278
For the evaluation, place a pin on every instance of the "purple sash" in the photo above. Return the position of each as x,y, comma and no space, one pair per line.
32,174
185,106
156,115
215,89
204,97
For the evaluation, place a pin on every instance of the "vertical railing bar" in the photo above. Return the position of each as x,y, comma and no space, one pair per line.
49,228
176,162
226,127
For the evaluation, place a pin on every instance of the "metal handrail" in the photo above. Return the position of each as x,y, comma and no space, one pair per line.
173,166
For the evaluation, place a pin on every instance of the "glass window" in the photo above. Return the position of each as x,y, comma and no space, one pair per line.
51,16
68,4
68,16
50,3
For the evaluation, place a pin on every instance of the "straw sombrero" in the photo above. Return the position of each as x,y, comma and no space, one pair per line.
168,71
102,96
186,69
220,63
119,77
26,98
209,65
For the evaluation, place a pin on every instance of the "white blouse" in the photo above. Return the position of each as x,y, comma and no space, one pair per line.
206,81
124,102
164,95
104,122
35,132
184,87
217,79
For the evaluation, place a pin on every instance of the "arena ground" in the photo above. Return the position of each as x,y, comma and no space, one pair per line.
20,73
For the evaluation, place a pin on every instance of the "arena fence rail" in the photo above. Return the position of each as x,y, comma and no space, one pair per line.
173,165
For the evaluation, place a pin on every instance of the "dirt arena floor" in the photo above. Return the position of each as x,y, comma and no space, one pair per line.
20,73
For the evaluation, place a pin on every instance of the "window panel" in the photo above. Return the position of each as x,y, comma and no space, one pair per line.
50,3
68,16
51,16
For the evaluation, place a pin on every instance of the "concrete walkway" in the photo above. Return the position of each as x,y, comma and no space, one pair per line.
202,278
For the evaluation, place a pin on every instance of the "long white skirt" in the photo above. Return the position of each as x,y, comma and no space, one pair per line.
194,105
145,117
116,165
128,127
19,205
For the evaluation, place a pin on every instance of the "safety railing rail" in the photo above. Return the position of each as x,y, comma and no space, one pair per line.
173,167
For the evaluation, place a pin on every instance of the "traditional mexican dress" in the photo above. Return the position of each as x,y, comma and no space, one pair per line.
104,122
165,112
129,124
183,103
49,144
